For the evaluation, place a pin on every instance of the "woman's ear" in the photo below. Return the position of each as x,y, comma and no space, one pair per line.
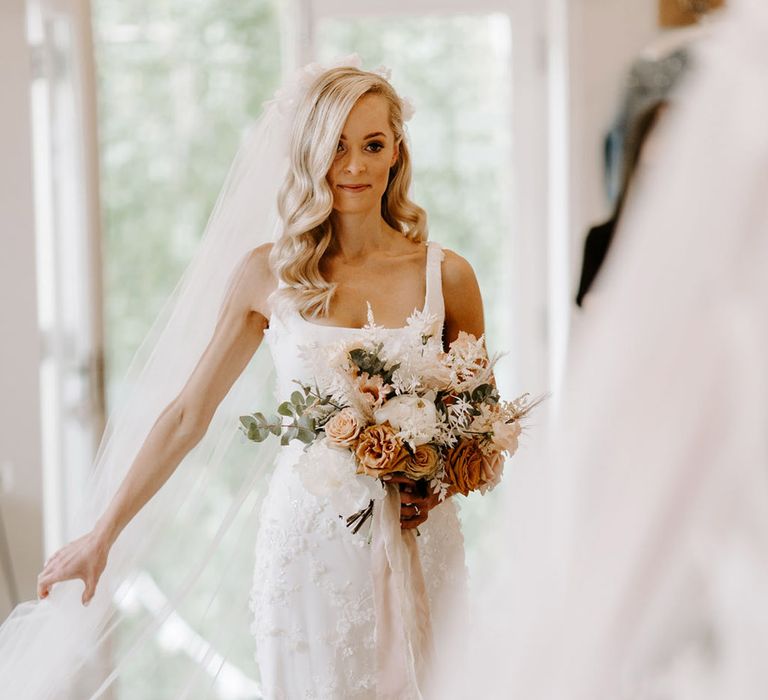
395,155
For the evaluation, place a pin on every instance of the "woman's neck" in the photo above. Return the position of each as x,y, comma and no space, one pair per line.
355,236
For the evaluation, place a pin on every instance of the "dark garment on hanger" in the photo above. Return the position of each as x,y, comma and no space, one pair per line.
595,249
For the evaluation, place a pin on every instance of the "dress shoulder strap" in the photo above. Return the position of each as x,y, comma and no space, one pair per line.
435,302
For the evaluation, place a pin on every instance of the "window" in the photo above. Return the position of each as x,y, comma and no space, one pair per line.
177,84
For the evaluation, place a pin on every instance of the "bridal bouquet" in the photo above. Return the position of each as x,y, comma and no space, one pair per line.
396,403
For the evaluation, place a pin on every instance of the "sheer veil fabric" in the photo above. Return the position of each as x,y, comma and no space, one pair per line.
55,648
634,559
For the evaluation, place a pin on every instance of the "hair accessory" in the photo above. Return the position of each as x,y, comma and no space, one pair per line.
406,105
407,108
289,95
383,71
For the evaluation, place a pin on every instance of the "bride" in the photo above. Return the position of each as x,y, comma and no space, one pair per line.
348,235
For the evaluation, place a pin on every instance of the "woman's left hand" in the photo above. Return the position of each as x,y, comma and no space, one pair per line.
415,500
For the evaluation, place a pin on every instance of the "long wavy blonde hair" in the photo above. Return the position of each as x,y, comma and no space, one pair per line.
305,200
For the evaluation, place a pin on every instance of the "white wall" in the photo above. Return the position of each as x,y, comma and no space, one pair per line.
20,451
606,36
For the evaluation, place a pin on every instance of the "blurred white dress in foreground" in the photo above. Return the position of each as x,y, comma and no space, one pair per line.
634,562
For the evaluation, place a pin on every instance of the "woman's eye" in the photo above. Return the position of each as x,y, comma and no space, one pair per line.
374,146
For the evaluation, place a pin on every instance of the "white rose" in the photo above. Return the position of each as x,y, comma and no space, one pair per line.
328,473
415,414
505,435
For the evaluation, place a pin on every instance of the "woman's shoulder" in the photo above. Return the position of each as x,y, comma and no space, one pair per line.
456,270
258,257
259,278
461,293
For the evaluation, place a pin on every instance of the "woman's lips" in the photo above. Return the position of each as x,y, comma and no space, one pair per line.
354,188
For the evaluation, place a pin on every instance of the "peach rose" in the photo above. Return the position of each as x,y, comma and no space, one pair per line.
423,464
378,451
373,389
464,466
343,429
493,466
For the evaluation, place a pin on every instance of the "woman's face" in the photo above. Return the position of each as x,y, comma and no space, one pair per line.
360,171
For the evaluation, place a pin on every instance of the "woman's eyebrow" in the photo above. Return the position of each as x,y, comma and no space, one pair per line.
368,136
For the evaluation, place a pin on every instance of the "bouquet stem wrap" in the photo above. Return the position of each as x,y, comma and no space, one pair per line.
403,634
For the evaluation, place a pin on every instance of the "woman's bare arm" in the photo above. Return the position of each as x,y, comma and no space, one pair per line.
182,424
238,334
463,302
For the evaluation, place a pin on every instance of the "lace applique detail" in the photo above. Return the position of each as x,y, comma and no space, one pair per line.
312,596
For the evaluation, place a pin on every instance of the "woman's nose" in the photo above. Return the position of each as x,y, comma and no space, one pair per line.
354,163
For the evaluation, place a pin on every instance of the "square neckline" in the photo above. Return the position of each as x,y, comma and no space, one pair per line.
397,328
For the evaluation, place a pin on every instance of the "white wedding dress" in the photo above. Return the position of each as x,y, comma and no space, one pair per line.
312,599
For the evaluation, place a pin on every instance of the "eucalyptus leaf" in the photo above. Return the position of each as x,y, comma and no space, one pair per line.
305,435
307,422
285,409
297,398
247,421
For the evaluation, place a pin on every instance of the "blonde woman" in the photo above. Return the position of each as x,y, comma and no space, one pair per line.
349,234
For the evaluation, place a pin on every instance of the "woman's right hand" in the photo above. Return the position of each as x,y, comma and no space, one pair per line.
84,558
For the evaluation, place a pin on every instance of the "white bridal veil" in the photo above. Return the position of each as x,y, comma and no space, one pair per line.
55,647
634,560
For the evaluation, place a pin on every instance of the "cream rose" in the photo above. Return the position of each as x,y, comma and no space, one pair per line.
408,412
343,429
378,451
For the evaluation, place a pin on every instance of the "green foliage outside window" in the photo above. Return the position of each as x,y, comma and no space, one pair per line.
177,83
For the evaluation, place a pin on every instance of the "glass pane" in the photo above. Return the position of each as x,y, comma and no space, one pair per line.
457,70
178,82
